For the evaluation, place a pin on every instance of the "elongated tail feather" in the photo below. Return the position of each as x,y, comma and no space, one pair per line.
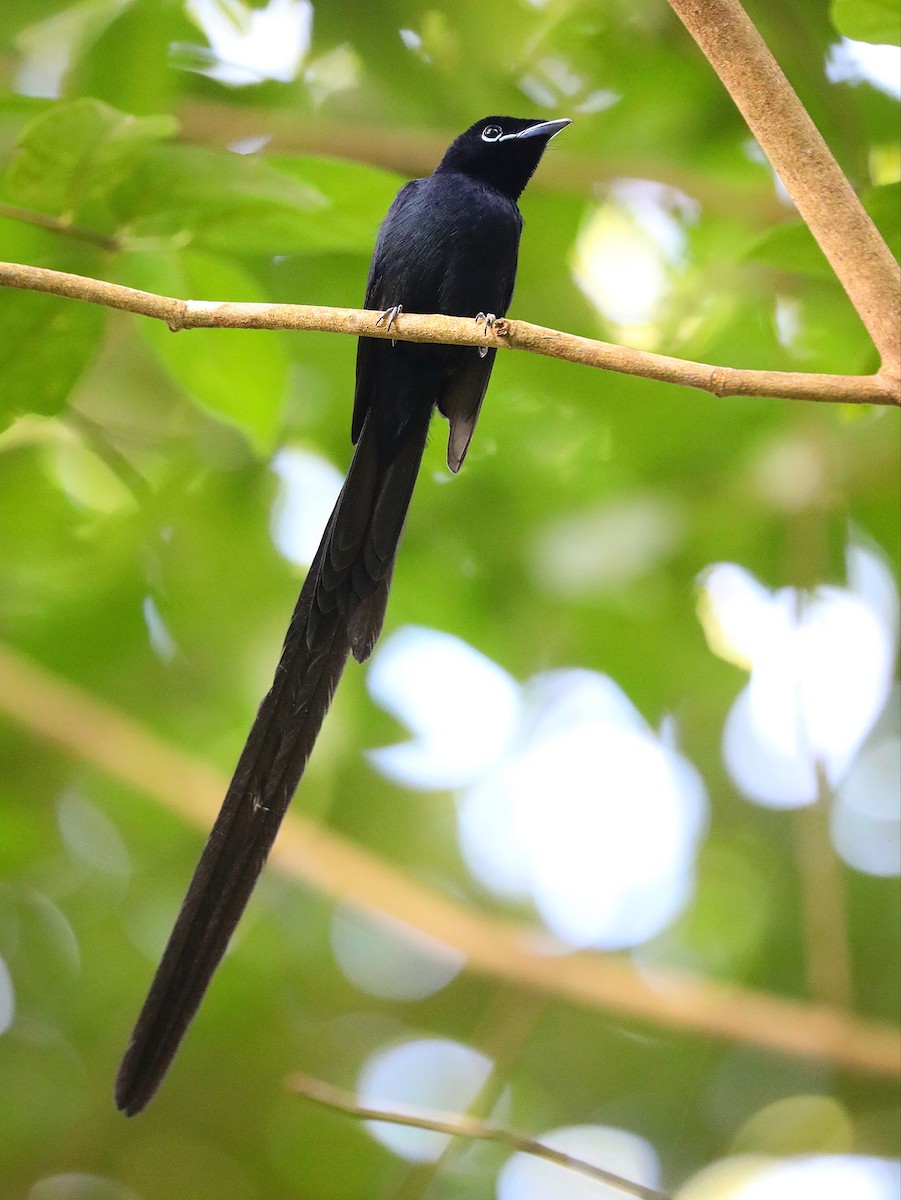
341,607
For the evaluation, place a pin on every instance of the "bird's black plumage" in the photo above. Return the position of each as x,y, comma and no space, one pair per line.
448,244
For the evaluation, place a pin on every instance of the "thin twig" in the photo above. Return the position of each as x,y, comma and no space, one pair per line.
462,1126
503,1033
79,723
825,199
458,331
95,435
59,225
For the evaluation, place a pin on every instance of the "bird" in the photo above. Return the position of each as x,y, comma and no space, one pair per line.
448,244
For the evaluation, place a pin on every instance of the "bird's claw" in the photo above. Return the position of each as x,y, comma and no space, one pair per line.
486,319
392,314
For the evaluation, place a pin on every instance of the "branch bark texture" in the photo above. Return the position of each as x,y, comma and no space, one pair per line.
458,331
825,199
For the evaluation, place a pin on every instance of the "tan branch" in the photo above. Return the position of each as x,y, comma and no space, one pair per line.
455,1125
77,722
793,144
458,331
824,905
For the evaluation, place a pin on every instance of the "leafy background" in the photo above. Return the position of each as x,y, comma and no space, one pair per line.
136,497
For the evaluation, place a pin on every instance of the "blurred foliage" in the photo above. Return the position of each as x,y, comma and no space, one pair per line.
135,476
868,20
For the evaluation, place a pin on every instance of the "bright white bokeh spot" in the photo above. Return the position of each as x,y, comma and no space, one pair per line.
788,318
162,642
552,82
461,707
568,798
77,1185
722,1180
737,614
591,816
431,1073
248,45
626,253
870,578
91,836
821,667
7,998
388,958
824,1177
48,48
863,62
525,1177
603,824
252,144
866,818
770,775
557,702
303,504
619,269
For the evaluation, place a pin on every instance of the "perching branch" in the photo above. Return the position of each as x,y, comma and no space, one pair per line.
67,716
459,331
825,199
462,1126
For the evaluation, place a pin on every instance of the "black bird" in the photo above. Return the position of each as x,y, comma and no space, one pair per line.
448,244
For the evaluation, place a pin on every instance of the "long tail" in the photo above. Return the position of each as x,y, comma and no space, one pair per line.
340,609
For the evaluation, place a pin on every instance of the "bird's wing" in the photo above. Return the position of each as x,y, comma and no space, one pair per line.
461,398
377,300
461,401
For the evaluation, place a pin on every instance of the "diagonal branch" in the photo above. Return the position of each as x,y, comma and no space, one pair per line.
793,144
459,331
464,1126
80,724
59,225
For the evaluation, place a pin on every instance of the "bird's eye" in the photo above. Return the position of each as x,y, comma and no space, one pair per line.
491,133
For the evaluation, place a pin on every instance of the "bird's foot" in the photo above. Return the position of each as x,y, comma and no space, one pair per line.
392,314
486,319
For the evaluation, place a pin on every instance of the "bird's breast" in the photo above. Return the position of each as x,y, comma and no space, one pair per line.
453,250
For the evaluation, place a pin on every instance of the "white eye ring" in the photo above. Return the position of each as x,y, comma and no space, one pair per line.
492,133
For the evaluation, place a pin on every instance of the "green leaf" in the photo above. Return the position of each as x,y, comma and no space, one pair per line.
127,64
243,204
358,196
45,344
792,247
876,21
15,114
77,152
239,375
884,206
218,200
45,341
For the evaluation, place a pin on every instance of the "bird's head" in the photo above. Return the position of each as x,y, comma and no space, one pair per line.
502,151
